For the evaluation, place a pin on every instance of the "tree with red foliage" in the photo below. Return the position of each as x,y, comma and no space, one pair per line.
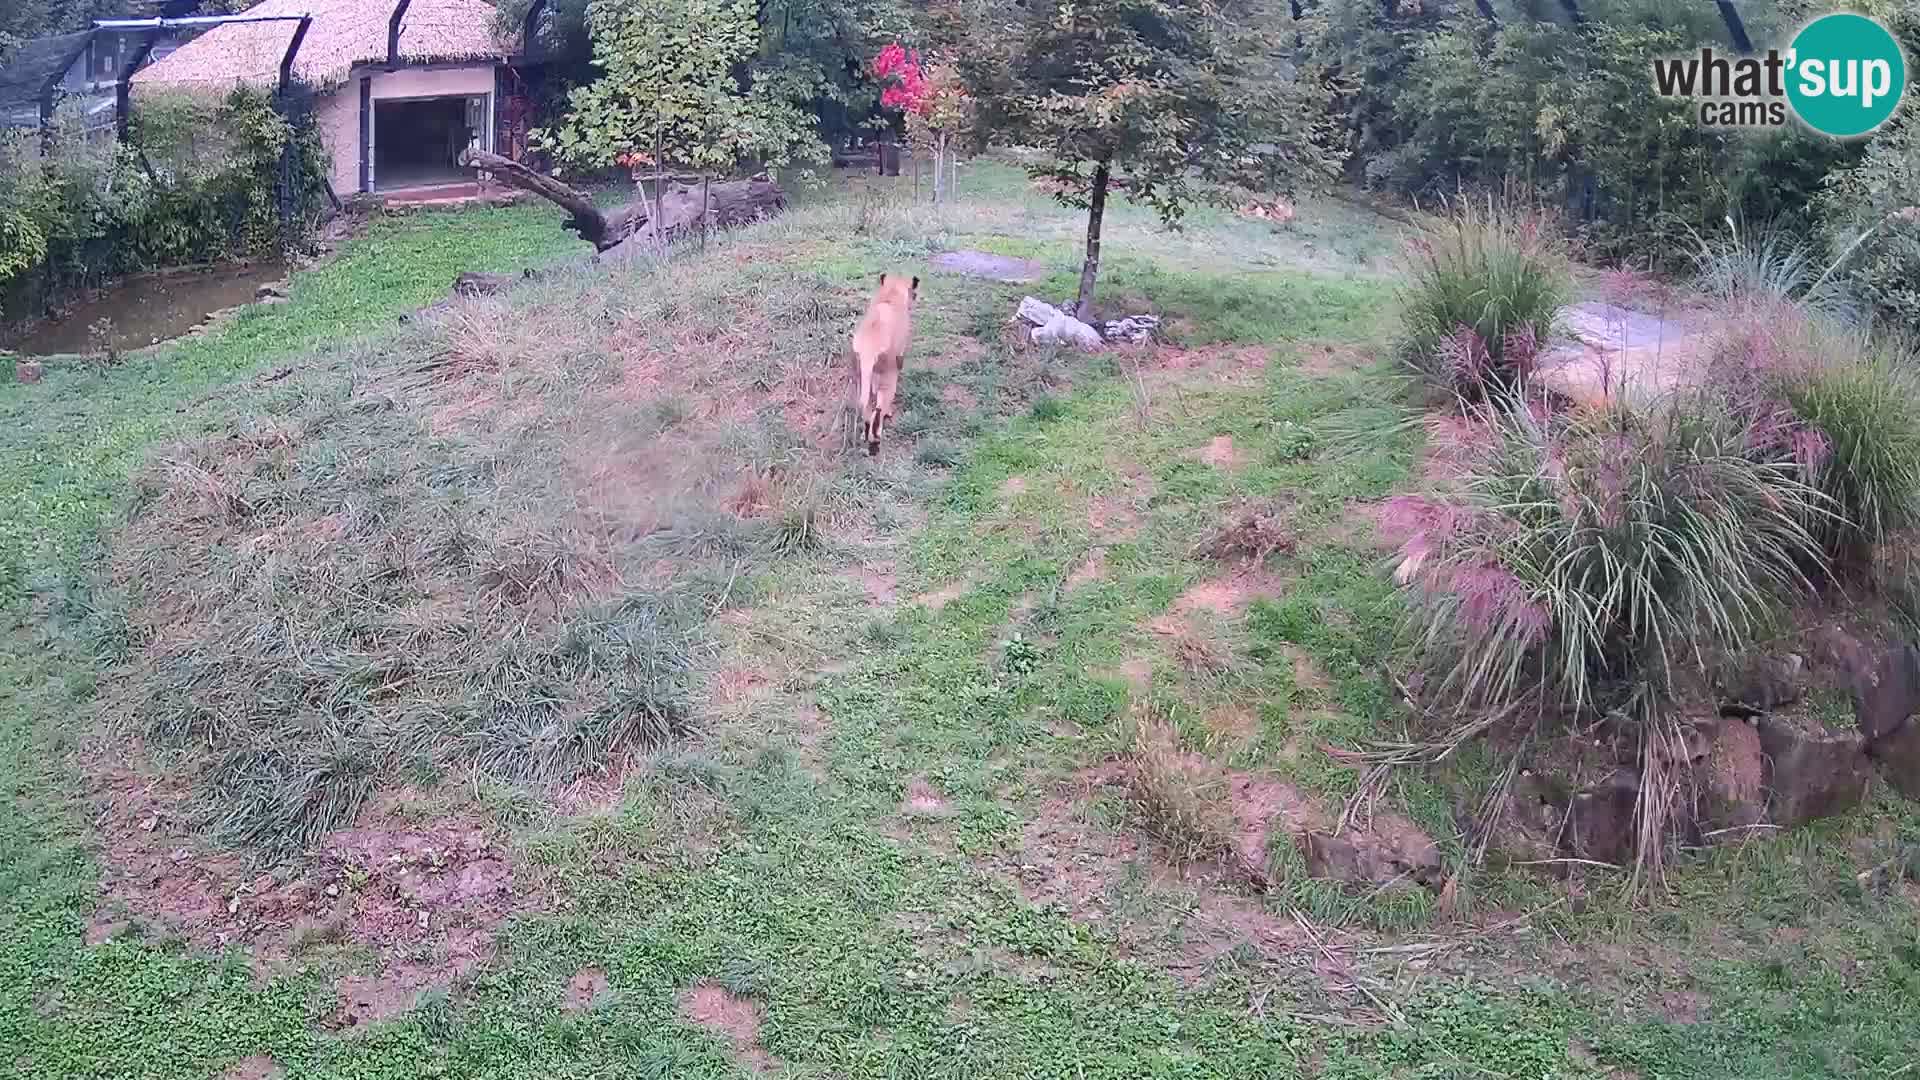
930,96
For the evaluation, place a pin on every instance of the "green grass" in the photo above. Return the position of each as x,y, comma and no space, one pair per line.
775,860
68,442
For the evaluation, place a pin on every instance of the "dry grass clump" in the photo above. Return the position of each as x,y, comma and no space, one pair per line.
1180,798
1252,532
498,560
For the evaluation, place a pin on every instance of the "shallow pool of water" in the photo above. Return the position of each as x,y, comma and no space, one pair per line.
145,310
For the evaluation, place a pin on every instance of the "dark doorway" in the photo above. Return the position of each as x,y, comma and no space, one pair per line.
417,142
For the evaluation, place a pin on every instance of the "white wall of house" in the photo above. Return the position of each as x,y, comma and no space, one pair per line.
339,111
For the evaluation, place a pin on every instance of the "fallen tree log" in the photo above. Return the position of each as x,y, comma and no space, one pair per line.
624,230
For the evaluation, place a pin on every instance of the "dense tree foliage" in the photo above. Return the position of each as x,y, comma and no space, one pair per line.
668,93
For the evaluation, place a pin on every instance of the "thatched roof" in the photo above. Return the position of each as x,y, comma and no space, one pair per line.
344,33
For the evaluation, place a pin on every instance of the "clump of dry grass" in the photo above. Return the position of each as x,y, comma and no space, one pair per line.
1179,797
1252,532
1209,650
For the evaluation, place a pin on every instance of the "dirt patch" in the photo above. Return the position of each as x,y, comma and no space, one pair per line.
981,264
1235,365
1326,360
103,929
734,1018
881,586
732,685
253,1067
941,597
1013,485
1263,804
1227,595
585,989
922,801
424,898
1306,674
1234,724
1117,515
1092,568
1682,1007
959,396
1138,672
1194,913
1220,453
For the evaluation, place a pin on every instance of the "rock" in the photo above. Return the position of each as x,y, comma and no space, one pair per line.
1067,330
1616,353
276,290
1732,773
28,371
1886,690
1763,683
1899,758
1529,823
1395,850
1813,773
1136,329
1037,312
1600,820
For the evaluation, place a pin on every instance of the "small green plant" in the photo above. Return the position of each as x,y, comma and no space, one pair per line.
1484,295
1048,408
1022,656
1294,442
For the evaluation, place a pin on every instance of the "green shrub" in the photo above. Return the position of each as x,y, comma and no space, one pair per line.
1484,293
1603,553
196,180
1866,411
1869,219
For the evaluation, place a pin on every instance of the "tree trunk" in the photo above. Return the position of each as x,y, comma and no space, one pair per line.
1096,209
939,166
601,228
706,208
726,204
659,191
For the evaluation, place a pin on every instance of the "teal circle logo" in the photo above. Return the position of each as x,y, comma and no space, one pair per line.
1845,74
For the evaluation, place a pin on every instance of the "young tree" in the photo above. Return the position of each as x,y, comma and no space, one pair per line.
674,91
932,98
1170,102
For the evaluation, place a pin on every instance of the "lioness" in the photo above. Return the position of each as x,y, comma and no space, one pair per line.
880,352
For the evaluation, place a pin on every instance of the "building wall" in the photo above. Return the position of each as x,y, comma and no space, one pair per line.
432,82
338,111
338,115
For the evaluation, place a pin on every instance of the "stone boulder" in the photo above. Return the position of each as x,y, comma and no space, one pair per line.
1886,690
1899,758
1812,773
1732,777
1614,353
1393,850
1599,822
1763,683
